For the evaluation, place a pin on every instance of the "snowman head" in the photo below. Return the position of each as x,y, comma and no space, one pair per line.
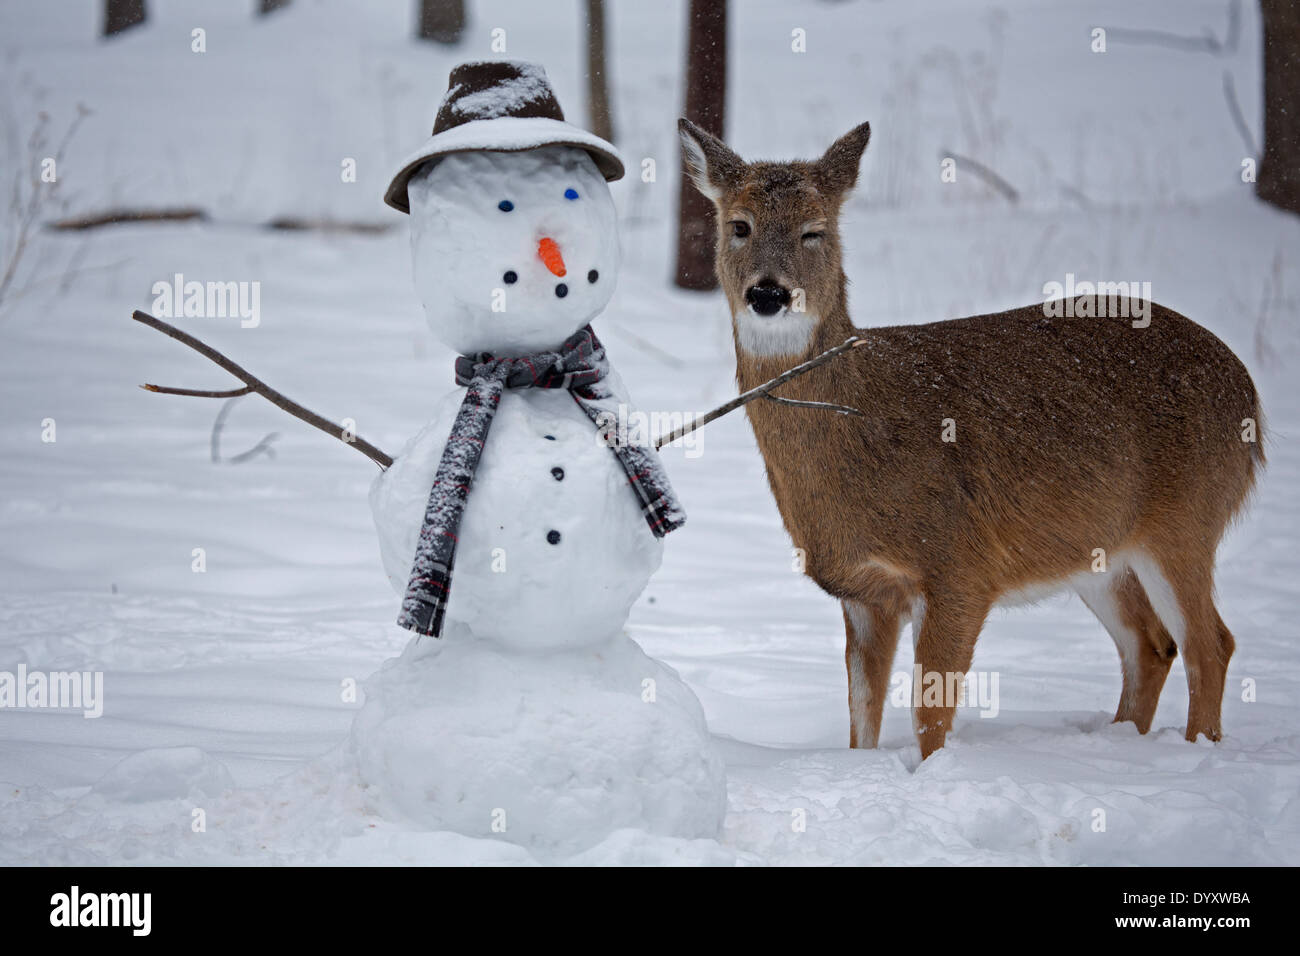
512,251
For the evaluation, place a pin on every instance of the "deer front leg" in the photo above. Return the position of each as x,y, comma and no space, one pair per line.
945,644
871,637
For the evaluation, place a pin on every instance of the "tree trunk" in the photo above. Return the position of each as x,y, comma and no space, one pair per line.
706,100
602,122
442,21
270,6
121,15
1279,169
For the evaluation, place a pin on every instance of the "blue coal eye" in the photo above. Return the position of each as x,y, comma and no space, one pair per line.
505,205
570,194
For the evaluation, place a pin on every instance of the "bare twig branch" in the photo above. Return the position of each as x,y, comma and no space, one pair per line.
1265,354
1234,110
1206,43
261,388
26,218
219,425
842,409
122,216
1008,191
296,224
262,447
760,391
1075,194
199,392
65,281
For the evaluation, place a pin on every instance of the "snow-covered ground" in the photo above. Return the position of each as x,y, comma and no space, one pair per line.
227,690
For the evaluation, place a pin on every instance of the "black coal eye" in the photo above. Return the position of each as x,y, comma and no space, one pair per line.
561,290
740,228
510,277
505,205
593,275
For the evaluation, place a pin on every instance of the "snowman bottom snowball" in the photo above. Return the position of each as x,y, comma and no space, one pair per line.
553,752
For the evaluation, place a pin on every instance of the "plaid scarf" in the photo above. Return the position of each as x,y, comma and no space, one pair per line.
579,366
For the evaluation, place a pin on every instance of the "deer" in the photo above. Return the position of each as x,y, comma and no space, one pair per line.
995,458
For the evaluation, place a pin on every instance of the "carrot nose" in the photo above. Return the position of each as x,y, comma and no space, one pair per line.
549,252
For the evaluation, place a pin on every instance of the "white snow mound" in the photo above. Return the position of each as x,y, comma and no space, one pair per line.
165,773
553,752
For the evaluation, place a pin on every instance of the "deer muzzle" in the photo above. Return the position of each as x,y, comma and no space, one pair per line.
767,298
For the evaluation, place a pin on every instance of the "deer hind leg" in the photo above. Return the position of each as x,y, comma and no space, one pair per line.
871,632
1182,593
1146,648
945,645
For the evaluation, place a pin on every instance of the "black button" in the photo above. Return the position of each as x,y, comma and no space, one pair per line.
561,290
510,277
557,473
593,275
549,437
553,536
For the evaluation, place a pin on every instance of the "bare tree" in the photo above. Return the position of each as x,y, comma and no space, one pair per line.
602,120
1279,169
31,194
121,15
442,21
706,100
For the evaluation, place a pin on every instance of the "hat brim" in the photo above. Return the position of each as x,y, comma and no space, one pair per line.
507,134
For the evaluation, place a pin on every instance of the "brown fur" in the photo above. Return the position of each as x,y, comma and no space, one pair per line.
1071,434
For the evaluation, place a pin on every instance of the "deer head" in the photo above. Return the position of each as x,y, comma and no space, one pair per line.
778,250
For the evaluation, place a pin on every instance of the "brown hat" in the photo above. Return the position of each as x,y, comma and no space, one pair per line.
504,105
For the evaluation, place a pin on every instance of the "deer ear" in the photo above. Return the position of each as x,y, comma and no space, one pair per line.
837,171
711,165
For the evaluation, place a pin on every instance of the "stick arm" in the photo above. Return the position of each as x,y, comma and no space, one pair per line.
254,384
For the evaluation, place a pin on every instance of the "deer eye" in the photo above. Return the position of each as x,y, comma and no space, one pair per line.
811,237
739,228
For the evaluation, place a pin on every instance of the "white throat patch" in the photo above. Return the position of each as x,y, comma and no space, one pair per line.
771,335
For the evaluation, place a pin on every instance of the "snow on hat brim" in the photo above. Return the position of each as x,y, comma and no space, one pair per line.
507,134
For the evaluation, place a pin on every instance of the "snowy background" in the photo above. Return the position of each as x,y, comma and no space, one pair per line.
223,689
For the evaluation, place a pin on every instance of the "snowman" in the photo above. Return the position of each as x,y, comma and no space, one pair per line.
517,529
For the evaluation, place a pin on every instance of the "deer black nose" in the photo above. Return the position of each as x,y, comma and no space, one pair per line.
767,298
